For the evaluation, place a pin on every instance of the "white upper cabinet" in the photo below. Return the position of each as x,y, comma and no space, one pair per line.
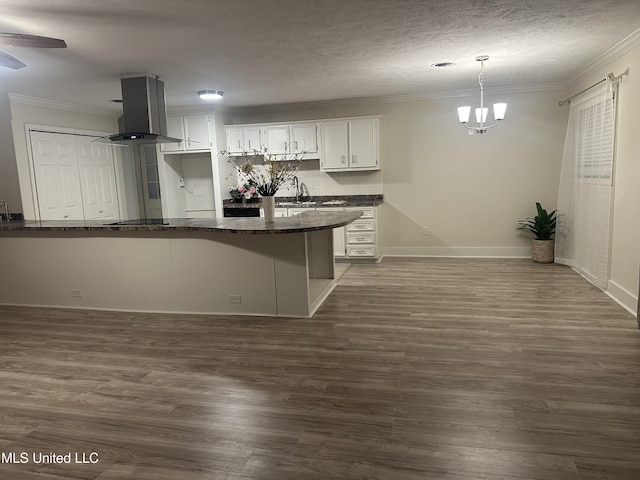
335,145
281,140
346,144
196,132
350,144
251,137
304,140
276,139
193,129
243,139
175,129
363,143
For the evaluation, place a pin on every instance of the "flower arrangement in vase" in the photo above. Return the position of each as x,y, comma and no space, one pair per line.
243,193
265,173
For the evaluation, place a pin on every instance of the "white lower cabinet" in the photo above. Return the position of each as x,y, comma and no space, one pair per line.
357,240
339,235
362,235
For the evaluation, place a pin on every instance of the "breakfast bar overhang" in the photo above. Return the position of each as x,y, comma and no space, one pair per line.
239,266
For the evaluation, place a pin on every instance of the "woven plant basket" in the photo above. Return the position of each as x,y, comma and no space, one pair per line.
543,251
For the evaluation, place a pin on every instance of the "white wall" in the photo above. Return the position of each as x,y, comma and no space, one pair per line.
469,190
9,186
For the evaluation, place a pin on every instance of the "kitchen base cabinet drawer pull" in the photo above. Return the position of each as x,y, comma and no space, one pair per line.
363,251
366,225
367,212
361,238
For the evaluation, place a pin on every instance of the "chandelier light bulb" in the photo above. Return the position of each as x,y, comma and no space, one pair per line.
463,114
499,109
481,114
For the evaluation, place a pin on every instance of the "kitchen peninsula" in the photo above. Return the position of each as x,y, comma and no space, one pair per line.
239,266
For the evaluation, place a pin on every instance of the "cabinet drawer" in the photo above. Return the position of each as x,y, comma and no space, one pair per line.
367,212
363,237
362,226
361,251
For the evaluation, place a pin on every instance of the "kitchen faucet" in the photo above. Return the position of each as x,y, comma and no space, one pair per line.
7,216
296,183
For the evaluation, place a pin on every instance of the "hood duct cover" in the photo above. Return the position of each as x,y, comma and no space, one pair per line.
144,118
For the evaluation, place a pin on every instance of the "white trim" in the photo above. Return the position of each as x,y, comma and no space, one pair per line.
543,87
470,252
622,47
69,107
622,297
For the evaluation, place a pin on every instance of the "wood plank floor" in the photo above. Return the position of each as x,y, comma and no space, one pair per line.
445,369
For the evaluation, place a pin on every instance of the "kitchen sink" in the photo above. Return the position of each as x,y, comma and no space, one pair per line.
334,202
293,204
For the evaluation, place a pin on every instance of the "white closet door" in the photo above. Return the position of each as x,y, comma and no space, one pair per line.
56,174
97,179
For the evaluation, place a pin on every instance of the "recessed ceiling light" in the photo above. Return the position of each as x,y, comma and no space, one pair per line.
443,64
210,94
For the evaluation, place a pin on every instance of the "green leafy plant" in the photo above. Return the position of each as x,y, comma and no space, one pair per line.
543,225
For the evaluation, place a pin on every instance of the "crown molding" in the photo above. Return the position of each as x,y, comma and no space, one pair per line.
543,87
628,43
193,110
69,107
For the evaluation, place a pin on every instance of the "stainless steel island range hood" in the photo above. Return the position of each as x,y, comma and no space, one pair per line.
144,118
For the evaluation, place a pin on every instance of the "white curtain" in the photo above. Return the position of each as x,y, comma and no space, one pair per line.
585,195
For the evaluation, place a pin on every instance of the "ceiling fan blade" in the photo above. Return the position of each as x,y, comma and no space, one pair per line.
7,60
24,40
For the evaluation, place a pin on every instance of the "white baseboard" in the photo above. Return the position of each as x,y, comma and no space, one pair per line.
474,252
623,297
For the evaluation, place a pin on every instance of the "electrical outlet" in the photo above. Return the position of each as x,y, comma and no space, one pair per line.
425,230
181,183
235,299
76,292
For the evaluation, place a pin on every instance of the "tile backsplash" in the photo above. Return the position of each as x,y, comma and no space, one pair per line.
317,182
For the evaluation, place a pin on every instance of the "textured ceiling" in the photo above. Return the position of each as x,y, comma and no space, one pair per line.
264,52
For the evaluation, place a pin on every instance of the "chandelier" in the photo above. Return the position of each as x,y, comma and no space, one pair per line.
499,109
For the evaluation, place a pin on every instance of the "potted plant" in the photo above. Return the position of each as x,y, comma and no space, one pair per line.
543,227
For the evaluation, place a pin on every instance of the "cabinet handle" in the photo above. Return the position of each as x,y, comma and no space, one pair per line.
249,142
239,146
354,159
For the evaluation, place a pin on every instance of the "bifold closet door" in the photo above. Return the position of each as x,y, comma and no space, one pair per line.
75,177
55,164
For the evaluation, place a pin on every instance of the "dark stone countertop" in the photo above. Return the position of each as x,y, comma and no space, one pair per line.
306,222
315,202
